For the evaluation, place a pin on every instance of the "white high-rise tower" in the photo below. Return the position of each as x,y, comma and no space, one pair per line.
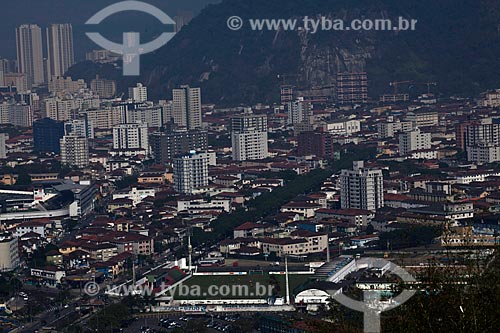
30,54
187,107
61,55
362,188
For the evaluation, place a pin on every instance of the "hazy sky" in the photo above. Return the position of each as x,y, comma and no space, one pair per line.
44,12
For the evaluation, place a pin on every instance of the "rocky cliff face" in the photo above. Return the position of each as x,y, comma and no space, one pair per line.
456,44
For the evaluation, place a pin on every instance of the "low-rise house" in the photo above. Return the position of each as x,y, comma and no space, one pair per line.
131,242
136,194
305,209
8,179
77,259
54,257
151,178
200,205
49,276
234,197
448,210
267,183
317,241
358,217
231,246
226,180
37,177
362,241
247,251
68,247
119,204
347,228
468,237
114,266
312,226
284,246
295,245
318,198
40,227
400,201
100,252
249,229
493,198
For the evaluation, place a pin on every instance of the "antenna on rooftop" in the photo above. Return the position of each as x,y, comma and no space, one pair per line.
190,251
327,248
287,296
133,274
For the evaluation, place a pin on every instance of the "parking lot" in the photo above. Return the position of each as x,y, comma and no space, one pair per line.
187,323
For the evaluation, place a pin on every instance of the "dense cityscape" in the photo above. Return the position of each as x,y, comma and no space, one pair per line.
122,212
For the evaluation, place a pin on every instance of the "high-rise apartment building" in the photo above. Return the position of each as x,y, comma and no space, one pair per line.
390,128
9,252
153,116
103,88
21,115
32,99
422,118
318,143
131,136
361,188
482,141
47,134
460,135
4,113
167,145
485,131
483,153
490,99
191,172
16,114
80,127
18,80
74,151
413,141
30,53
168,110
59,109
59,84
103,118
299,111
60,51
352,87
3,151
249,137
7,66
286,94
342,127
187,107
138,94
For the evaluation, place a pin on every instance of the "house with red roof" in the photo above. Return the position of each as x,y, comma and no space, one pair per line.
305,209
249,229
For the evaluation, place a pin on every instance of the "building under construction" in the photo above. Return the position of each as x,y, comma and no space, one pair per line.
394,98
352,88
286,94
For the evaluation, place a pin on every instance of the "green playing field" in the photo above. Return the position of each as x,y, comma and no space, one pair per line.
237,286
